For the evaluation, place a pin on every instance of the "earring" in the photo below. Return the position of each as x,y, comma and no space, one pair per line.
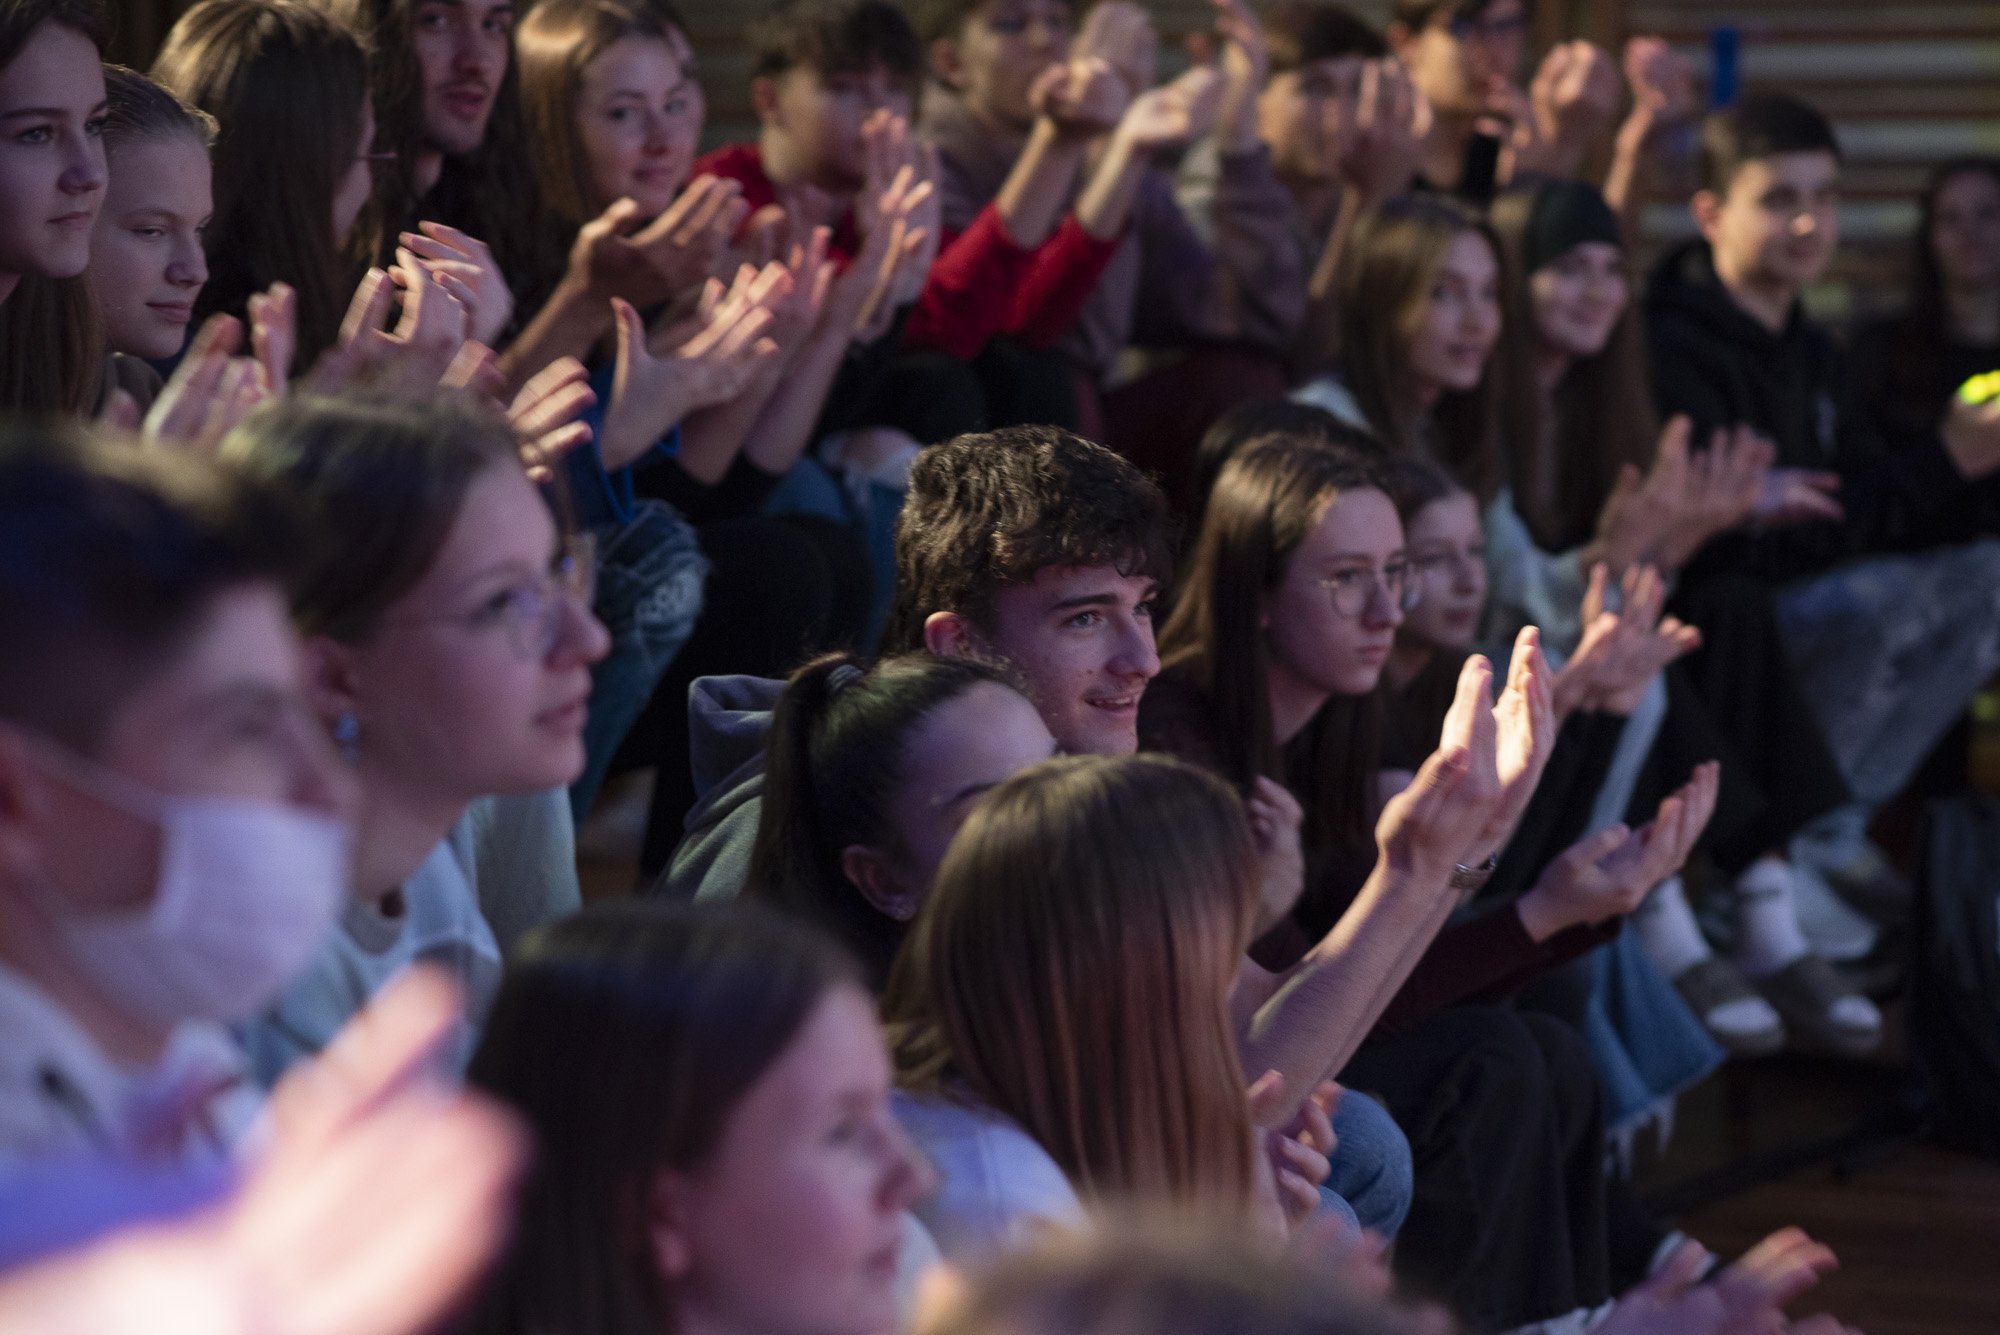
347,736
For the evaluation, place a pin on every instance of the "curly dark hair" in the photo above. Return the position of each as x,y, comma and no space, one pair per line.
989,510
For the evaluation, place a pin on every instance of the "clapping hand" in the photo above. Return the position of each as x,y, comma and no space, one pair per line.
651,392
1621,651
411,358
1433,825
1609,874
466,268
1174,114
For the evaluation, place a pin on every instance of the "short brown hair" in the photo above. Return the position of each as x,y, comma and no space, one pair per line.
989,510
109,558
835,37
1760,125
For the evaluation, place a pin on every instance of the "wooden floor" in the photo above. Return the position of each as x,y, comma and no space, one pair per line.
1916,1226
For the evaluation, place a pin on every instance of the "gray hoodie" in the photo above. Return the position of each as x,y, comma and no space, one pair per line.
728,721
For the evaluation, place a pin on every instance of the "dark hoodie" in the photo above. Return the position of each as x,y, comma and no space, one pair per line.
1713,362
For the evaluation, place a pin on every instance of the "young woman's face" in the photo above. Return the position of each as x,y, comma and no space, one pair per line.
1460,320
478,677
1306,117
1354,553
146,260
999,53
795,1223
961,749
1578,297
638,114
357,180
52,171
1965,229
1447,553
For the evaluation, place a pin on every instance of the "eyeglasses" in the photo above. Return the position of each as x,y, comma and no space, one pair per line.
531,613
1352,590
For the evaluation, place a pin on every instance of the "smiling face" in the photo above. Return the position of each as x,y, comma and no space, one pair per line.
1777,223
1578,297
999,52
1965,229
1082,641
463,47
794,1224
464,690
1306,118
1314,647
1447,555
146,260
52,169
638,114
1459,321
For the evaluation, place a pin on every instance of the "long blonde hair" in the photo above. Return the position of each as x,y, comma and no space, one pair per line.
1072,970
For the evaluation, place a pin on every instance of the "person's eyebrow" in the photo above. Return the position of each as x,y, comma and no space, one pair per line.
49,112
987,786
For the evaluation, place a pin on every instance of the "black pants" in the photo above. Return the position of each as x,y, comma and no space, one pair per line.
1506,1128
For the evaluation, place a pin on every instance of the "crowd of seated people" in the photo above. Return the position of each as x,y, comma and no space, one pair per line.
1176,639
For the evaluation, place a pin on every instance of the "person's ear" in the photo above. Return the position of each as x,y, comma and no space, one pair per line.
950,635
946,66
874,877
764,99
669,1231
333,679
1706,206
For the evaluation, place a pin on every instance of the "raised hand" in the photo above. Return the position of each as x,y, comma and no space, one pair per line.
410,358
1661,80
1608,874
1122,35
1245,62
547,415
1385,144
1083,97
650,392
615,256
1525,735
1275,818
1622,651
474,276
274,336
1574,96
1174,114
1434,824
209,392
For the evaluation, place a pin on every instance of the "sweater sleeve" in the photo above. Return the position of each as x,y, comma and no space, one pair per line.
1059,279
1483,959
967,295
1257,286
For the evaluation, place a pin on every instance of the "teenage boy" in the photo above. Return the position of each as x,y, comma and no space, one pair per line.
173,823
1891,642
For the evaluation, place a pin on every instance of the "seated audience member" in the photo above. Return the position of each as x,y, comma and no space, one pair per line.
147,266
293,167
870,772
449,634
1012,97
714,1150
1892,633
176,825
296,1240
1118,895
1292,598
51,81
1029,545
1255,419
1909,365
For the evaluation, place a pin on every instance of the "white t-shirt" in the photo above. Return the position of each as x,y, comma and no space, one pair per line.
997,1188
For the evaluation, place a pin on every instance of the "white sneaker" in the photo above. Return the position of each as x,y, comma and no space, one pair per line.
1835,930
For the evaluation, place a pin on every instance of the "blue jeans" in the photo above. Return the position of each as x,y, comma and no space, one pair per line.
1371,1172
650,573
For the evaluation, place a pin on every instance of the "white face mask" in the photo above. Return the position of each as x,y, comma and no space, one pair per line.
247,892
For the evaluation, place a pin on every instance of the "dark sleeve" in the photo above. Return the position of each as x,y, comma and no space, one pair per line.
1896,477
1483,959
741,491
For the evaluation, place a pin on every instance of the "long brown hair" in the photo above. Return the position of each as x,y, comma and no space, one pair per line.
51,342
1386,279
1919,351
1563,453
289,86
1265,501
1072,971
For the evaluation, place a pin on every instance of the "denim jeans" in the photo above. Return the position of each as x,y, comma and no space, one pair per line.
1371,1168
650,574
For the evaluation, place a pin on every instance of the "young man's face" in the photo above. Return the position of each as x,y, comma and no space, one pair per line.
226,718
1000,51
1454,61
462,51
1306,117
820,116
1082,640
1777,222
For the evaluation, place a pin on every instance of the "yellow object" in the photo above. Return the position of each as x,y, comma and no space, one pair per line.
1980,389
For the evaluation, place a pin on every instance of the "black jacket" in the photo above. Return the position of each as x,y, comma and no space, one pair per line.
1720,367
